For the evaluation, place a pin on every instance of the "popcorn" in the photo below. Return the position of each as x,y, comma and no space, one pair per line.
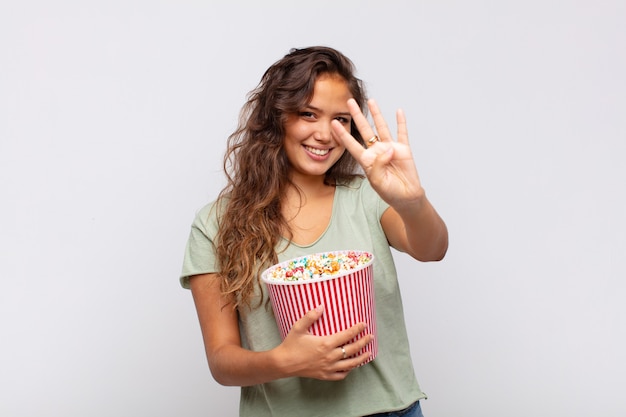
318,266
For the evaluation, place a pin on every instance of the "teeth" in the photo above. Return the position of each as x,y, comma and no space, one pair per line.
319,152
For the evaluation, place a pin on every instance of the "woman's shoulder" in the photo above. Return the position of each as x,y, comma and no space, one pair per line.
357,186
359,191
351,184
209,214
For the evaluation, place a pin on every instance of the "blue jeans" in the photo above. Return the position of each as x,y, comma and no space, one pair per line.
413,410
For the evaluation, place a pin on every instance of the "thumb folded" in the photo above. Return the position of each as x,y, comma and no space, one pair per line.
383,158
309,318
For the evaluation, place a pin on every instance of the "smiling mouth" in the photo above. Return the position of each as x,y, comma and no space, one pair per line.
318,152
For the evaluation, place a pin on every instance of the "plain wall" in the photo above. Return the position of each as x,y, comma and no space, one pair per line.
113,122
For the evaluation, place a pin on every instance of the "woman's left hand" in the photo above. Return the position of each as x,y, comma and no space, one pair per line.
388,164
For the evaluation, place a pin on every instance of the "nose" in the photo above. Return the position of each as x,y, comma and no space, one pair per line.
323,132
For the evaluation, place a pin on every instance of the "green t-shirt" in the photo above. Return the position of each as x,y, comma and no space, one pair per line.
388,382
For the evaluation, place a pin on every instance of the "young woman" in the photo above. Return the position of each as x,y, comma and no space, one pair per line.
295,170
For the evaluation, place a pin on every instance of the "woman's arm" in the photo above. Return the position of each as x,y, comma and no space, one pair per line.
411,224
300,354
418,231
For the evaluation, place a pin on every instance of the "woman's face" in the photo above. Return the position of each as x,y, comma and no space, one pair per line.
308,142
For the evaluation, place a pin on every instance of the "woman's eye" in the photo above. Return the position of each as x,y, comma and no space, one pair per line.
307,114
343,120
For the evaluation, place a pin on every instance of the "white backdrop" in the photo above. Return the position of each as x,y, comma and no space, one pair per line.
113,121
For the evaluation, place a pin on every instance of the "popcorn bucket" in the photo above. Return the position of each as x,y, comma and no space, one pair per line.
347,296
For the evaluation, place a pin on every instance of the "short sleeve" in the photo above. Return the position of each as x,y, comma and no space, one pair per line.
199,255
372,201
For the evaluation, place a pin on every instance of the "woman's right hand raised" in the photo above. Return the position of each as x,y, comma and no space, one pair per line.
303,354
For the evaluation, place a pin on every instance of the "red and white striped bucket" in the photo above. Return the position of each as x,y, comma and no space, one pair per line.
347,298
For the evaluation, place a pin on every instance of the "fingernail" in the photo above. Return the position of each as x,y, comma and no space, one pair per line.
319,308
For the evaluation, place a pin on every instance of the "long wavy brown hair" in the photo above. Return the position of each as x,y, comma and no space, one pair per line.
251,222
